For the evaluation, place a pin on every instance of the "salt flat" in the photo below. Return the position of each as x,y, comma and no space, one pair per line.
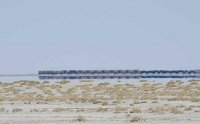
30,102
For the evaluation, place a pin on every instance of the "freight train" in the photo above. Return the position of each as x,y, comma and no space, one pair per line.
117,74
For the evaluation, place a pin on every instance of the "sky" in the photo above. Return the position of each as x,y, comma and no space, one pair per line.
98,34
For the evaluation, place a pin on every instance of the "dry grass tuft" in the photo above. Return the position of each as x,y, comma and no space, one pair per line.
175,110
136,110
159,110
120,109
171,84
2,99
104,103
2,109
188,108
45,82
59,110
154,102
197,111
195,99
143,80
63,82
44,110
16,110
136,119
102,110
81,119
35,110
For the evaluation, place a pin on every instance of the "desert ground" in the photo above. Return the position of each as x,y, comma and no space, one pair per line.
89,102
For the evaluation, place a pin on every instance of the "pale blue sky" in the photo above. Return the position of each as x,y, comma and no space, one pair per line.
99,34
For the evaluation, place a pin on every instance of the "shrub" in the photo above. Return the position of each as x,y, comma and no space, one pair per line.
45,82
44,110
135,110
159,110
180,106
103,84
116,102
59,110
93,100
2,99
35,110
2,109
171,84
64,82
137,102
49,98
197,111
194,83
17,110
102,110
143,80
188,108
85,81
154,102
135,119
80,110
81,119
104,103
175,110
143,101
120,109
195,99
39,98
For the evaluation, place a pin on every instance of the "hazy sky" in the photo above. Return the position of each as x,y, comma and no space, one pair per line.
99,34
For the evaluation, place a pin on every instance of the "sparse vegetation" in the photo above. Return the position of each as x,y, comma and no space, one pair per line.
125,99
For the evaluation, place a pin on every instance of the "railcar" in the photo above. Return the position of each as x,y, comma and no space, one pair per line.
117,74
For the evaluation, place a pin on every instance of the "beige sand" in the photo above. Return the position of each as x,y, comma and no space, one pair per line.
30,102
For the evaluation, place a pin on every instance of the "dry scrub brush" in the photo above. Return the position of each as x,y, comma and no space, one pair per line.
81,119
102,110
136,119
59,110
121,109
175,110
16,110
135,110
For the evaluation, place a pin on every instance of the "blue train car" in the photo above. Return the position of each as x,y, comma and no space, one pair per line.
117,74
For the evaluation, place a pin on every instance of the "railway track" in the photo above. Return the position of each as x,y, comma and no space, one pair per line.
109,74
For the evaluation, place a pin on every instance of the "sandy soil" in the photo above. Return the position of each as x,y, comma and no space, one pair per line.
30,102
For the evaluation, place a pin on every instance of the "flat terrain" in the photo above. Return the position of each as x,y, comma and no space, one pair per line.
31,102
